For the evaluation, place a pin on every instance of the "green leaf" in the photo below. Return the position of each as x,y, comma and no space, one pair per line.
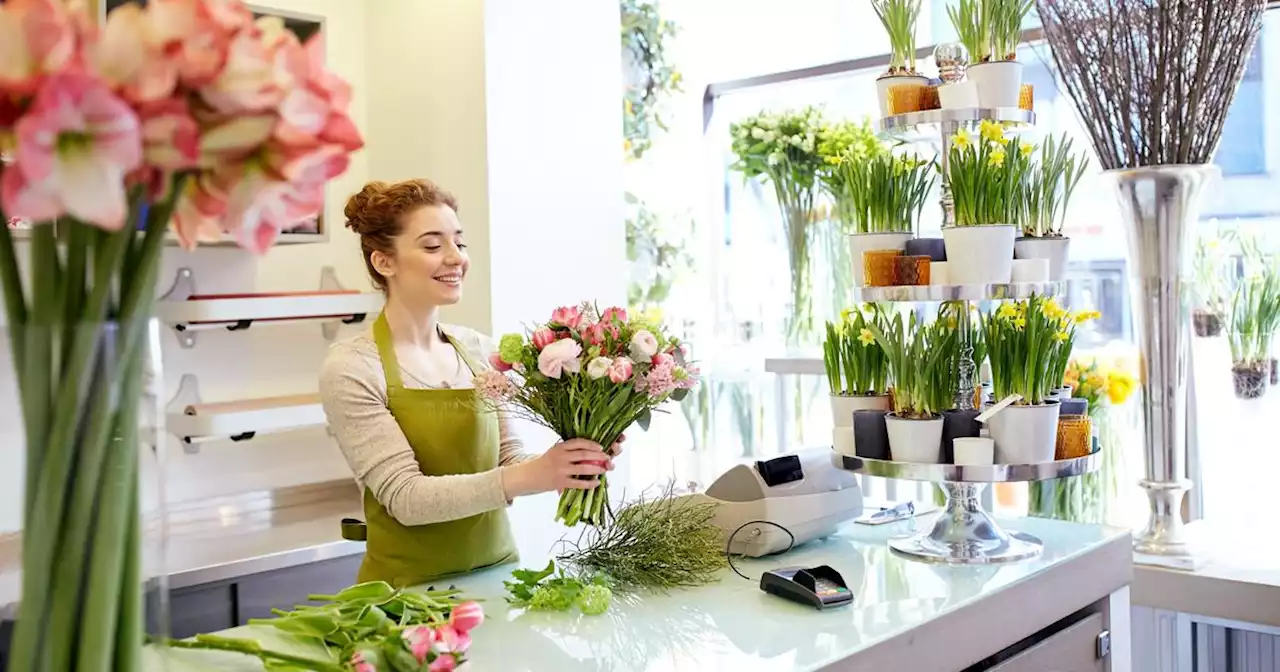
530,576
308,624
644,420
679,395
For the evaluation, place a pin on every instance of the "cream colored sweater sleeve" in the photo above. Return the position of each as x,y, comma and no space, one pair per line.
353,391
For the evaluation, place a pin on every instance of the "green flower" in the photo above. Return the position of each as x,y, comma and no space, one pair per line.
511,348
595,599
546,598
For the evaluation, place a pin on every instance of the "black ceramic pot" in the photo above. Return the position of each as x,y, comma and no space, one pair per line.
926,247
870,435
957,424
1073,406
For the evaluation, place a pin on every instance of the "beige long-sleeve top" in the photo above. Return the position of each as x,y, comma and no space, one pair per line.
353,390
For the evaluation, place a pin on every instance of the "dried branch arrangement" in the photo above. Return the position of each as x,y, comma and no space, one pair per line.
1152,79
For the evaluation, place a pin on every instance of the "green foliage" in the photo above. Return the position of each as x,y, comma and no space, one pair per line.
881,193
1255,316
899,20
1025,341
1050,182
1210,274
921,360
854,361
644,45
989,29
550,589
988,176
651,251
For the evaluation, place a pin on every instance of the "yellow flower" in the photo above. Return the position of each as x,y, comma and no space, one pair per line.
1086,315
996,159
1019,323
630,109
1060,336
951,322
1119,387
961,139
1026,148
865,337
991,131
1007,310
1052,310
846,315
676,77
626,145
869,307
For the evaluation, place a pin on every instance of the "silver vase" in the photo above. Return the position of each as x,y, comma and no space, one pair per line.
1160,207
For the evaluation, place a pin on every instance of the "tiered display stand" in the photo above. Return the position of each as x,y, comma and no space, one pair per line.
965,533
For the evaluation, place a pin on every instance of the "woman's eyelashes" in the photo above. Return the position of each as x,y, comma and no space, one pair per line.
437,248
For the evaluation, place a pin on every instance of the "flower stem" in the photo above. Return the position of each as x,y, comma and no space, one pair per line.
251,648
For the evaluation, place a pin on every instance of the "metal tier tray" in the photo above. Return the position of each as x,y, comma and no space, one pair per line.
929,122
960,473
964,533
925,293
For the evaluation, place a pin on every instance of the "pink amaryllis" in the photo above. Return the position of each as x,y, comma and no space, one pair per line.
75,144
37,37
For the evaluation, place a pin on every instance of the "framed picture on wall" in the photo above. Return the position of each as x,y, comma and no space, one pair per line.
305,26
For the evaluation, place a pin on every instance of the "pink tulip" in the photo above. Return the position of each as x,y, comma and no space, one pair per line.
594,334
560,357
614,313
443,663
620,370
495,360
76,143
129,54
37,38
466,616
567,316
542,338
451,640
420,640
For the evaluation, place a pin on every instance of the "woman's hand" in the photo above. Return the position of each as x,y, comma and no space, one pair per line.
556,469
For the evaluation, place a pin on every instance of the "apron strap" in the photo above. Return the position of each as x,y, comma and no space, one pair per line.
354,529
462,351
387,352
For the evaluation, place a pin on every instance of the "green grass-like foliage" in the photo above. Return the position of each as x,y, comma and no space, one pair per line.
854,361
880,193
1255,316
988,176
899,19
653,543
1050,182
1025,342
921,359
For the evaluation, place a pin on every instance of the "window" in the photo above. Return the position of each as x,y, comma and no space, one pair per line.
1242,150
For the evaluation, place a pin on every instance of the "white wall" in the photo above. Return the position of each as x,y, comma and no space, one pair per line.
536,173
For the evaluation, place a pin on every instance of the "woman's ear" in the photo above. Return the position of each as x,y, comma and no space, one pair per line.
383,264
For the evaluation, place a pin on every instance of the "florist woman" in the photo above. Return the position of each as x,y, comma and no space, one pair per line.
436,469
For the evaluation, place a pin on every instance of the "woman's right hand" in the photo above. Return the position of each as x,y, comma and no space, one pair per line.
556,469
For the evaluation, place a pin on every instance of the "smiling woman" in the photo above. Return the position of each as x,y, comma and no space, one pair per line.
436,467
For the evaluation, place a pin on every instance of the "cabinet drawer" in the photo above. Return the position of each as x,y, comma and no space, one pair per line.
199,609
1074,649
287,588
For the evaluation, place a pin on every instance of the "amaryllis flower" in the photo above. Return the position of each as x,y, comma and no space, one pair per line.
466,616
248,80
560,357
37,38
170,135
420,641
129,55
75,145
567,316
543,337
495,360
620,370
643,344
196,34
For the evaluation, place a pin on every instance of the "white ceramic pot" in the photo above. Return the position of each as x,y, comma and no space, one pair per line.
980,255
1029,270
883,85
1064,392
939,273
918,441
958,95
842,407
860,243
974,451
1025,434
1055,249
842,441
998,82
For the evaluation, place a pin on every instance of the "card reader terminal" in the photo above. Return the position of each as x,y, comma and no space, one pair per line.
820,587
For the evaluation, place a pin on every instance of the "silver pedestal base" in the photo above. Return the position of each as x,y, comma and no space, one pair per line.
965,534
1165,534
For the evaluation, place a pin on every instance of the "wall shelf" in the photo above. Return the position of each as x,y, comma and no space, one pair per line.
187,311
195,423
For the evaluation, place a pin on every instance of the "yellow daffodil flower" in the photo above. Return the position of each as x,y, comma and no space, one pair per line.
1007,310
1060,336
996,159
1086,315
1053,311
865,337
846,314
1026,148
626,105
991,131
1019,322
961,139
626,145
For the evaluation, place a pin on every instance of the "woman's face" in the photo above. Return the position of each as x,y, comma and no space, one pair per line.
431,258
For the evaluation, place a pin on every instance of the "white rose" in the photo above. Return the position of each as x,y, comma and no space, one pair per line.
598,367
757,133
644,345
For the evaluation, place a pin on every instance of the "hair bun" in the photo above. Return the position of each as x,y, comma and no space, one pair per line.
361,206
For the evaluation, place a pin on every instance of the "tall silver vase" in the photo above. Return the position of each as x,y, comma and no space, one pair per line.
1160,206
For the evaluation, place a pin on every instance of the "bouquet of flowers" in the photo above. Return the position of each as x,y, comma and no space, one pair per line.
1094,382
588,375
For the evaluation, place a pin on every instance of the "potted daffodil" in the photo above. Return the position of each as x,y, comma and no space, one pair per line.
899,20
857,372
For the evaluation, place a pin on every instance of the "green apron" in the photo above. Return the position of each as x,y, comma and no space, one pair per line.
450,434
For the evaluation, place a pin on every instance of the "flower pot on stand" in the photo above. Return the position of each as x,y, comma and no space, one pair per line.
957,424
980,255
918,441
1250,378
871,437
934,248
843,408
999,83
1053,248
1025,434
860,243
1208,324
886,82
958,95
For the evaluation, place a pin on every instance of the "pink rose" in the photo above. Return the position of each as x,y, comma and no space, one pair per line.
560,356
614,313
567,316
620,370
543,337
466,616
495,360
